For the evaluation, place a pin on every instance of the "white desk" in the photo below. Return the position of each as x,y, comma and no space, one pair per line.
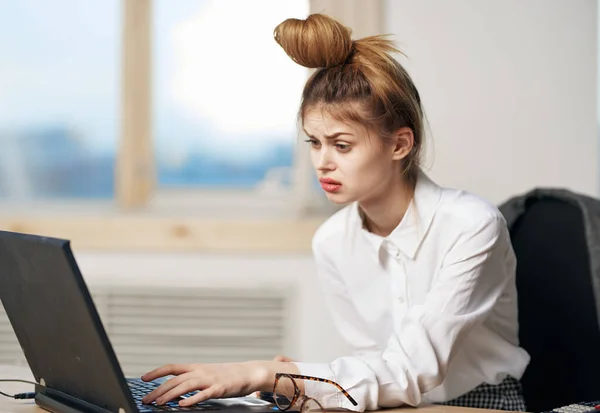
28,406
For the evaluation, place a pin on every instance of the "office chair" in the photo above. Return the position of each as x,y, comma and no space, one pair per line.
557,310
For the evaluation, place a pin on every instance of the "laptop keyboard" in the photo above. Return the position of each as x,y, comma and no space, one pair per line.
140,388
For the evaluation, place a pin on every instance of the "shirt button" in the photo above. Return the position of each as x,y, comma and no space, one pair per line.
401,300
398,255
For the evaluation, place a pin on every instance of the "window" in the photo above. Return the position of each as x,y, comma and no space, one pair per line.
225,94
129,114
58,98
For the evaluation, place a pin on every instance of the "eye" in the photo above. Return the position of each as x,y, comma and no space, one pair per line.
313,142
342,147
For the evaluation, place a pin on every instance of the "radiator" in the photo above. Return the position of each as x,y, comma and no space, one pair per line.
152,326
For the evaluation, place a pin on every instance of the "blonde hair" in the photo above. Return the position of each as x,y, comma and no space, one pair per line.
356,80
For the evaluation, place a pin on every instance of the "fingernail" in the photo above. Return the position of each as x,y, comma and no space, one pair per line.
159,400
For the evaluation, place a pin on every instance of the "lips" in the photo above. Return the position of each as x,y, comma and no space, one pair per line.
330,185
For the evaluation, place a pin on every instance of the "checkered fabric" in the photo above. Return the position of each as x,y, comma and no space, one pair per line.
504,396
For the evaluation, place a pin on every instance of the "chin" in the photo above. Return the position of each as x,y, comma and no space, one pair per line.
339,198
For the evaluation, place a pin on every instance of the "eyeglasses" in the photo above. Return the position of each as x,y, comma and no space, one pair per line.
285,386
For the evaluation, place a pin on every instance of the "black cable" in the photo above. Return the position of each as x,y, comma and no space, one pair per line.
29,395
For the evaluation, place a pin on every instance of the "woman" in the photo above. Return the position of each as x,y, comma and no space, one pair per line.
420,279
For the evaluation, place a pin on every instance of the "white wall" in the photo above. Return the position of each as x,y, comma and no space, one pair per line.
509,87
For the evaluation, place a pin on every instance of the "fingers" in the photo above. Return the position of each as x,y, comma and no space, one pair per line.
165,370
201,396
183,388
164,388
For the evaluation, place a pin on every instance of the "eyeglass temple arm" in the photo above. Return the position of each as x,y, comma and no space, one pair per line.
340,388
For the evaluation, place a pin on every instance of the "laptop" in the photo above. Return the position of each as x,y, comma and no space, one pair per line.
62,337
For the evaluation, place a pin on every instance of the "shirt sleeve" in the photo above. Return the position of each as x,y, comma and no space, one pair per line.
471,280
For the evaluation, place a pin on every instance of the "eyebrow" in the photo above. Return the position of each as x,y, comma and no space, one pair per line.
329,137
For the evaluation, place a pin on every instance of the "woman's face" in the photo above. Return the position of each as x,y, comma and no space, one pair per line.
351,164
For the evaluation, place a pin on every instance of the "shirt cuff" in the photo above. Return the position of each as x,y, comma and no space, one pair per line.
326,394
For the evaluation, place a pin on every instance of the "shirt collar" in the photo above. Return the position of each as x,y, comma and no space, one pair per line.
411,230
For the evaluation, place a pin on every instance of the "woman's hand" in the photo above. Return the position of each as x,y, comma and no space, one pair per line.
213,381
216,380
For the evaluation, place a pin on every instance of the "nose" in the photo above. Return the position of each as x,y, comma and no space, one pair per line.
324,160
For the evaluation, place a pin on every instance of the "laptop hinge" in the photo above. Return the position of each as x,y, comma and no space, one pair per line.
58,402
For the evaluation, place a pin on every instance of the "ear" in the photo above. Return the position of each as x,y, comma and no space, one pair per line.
403,141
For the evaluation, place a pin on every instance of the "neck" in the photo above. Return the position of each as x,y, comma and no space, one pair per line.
383,213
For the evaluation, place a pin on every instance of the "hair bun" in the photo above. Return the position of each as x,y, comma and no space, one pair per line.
319,41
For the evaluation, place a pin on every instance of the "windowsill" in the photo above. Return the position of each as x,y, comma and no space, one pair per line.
224,222
139,232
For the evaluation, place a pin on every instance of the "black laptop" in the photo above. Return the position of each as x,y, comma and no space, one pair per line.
62,337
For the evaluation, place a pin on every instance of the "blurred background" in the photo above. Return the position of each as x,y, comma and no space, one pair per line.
161,137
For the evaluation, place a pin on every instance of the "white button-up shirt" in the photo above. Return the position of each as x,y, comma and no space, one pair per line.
430,310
